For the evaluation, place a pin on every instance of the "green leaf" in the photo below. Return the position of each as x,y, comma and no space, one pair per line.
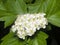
5,13
46,6
40,39
15,6
1,6
7,17
8,20
9,35
10,39
33,8
43,35
55,19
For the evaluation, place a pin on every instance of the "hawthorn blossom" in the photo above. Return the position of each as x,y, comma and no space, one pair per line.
26,24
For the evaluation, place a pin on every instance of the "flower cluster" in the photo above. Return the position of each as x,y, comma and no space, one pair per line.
27,24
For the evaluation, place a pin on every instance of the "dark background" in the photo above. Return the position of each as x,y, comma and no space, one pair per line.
54,34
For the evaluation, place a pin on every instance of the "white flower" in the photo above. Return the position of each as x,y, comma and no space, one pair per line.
26,24
21,34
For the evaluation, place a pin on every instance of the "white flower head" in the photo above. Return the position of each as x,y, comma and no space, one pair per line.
26,24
